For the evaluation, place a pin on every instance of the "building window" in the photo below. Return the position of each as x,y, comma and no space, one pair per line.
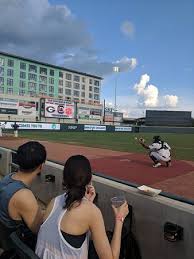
22,65
96,90
10,72
60,90
76,93
23,75
10,63
9,82
96,97
51,81
22,84
1,71
61,74
91,81
51,95
43,79
68,91
1,81
42,88
21,92
83,94
32,77
90,96
83,87
31,86
68,84
76,86
52,72
83,80
33,68
9,90
96,82
90,88
1,90
43,71
60,82
32,93
51,88
2,61
68,76
76,78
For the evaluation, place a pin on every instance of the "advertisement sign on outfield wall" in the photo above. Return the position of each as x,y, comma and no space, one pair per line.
122,129
27,109
94,128
118,116
83,113
55,108
8,106
34,126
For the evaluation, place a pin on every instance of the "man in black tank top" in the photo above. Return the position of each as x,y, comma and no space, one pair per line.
18,205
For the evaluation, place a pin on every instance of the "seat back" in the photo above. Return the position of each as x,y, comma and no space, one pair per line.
4,237
20,248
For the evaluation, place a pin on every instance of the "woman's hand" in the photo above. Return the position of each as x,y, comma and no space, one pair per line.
122,211
90,193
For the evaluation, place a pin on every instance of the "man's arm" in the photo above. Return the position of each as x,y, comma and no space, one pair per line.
29,210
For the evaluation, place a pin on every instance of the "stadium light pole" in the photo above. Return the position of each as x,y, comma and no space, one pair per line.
116,70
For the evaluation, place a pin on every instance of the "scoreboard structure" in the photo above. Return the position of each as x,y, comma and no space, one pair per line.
168,118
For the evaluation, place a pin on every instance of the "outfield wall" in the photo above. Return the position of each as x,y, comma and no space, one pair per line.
160,129
96,127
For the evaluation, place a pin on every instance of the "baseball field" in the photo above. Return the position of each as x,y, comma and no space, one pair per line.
182,144
120,156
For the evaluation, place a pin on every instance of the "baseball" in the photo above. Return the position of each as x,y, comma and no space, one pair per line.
135,138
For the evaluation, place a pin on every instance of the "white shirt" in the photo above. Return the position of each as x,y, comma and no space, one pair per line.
51,243
157,147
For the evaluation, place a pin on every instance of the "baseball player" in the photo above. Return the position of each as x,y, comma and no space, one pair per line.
159,151
2,126
15,127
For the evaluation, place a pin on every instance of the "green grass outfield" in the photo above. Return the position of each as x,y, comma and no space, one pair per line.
182,144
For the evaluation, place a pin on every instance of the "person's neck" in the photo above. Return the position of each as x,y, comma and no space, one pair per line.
26,178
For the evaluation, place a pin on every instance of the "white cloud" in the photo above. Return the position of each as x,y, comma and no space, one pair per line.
90,63
126,63
148,93
49,32
171,100
37,29
127,28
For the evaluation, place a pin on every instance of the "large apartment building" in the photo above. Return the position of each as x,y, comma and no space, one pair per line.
26,77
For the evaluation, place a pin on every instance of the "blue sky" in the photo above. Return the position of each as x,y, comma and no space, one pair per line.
97,35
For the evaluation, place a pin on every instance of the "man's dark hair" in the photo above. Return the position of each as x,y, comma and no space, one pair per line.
30,156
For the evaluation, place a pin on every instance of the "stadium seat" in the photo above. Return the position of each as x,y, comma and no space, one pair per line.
13,247
21,249
4,237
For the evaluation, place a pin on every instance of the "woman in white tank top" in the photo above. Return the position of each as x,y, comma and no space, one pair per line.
70,217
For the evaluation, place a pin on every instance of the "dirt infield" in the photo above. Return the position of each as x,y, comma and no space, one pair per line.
136,168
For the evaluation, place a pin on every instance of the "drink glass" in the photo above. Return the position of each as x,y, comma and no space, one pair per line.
117,201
